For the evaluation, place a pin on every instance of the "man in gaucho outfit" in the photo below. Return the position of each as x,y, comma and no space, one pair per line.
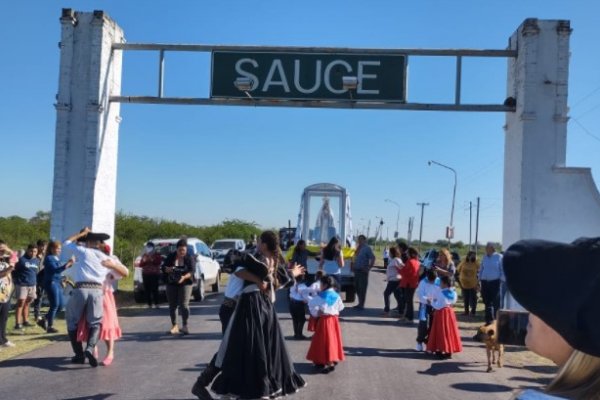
88,273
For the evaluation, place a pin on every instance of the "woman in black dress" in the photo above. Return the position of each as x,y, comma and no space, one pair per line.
253,358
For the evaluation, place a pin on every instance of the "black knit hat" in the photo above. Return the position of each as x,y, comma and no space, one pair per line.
559,283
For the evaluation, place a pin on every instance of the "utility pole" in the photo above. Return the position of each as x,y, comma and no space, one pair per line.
411,221
477,226
470,224
421,228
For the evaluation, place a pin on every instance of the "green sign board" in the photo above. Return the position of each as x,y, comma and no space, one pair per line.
308,76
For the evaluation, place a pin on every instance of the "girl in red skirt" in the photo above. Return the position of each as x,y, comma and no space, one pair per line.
444,338
326,348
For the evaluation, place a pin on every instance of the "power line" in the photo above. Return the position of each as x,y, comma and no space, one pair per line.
586,97
585,129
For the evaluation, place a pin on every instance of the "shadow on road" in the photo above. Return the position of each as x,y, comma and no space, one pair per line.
99,396
482,387
52,364
373,352
450,367
153,336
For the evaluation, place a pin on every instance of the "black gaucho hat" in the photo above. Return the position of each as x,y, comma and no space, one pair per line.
92,236
559,283
235,258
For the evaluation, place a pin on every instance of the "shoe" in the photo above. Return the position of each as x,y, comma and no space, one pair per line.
358,307
201,392
385,314
184,330
156,306
174,330
419,347
107,361
8,344
92,360
78,359
327,369
42,323
51,329
27,324
466,313
18,327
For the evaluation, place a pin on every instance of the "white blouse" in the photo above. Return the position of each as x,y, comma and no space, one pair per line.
327,302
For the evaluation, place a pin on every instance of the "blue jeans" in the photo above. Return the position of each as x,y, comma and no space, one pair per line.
54,292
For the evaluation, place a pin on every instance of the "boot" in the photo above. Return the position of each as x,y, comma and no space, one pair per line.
205,378
78,358
94,334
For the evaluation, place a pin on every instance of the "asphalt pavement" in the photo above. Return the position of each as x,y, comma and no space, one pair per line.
381,362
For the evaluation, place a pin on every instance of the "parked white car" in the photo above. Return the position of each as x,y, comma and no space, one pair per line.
222,246
207,272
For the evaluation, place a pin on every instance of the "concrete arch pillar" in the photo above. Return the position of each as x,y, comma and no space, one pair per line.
542,197
87,125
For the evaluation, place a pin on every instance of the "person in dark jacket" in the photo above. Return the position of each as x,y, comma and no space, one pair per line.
178,270
25,278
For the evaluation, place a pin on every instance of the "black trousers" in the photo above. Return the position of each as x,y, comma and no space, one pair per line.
490,293
298,313
470,299
392,287
4,307
408,294
225,313
37,303
424,326
151,288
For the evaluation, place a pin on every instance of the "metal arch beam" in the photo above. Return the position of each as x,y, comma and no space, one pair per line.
413,52
370,105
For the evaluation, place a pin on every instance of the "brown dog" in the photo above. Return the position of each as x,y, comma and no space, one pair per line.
487,334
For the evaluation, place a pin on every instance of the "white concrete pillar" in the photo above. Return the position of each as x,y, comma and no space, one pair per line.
87,125
542,197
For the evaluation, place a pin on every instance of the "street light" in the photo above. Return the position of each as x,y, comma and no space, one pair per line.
450,230
397,216
244,85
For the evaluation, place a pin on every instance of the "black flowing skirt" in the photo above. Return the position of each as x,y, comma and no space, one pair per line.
256,362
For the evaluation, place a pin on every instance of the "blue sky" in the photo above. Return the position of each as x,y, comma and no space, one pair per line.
202,164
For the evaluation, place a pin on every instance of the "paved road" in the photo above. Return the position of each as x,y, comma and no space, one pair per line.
381,362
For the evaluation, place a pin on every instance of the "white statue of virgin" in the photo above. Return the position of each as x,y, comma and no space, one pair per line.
324,221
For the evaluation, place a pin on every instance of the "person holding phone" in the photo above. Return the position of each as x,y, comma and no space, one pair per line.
565,328
178,269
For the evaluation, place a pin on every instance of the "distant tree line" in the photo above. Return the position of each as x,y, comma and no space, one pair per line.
131,231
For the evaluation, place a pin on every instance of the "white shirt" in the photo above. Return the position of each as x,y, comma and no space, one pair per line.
392,271
327,302
235,285
443,298
297,291
88,264
426,290
491,267
311,291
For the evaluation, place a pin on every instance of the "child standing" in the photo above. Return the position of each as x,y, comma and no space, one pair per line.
444,338
297,307
312,291
326,348
425,292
